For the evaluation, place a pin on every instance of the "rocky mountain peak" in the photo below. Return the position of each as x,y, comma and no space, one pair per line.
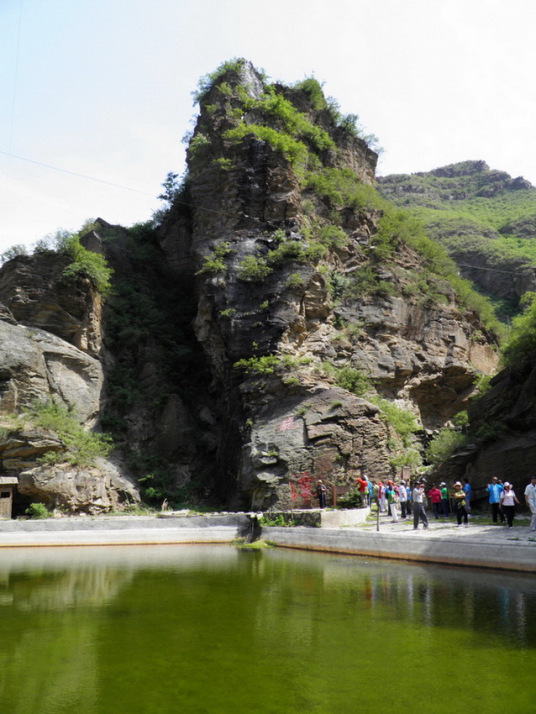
283,322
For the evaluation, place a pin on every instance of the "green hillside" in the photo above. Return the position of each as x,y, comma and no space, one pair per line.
486,220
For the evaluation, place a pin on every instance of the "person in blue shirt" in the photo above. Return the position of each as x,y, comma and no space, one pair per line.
468,493
494,490
370,490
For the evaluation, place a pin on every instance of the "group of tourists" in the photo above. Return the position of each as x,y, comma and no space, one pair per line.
411,498
503,501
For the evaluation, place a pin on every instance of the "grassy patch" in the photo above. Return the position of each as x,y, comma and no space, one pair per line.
82,447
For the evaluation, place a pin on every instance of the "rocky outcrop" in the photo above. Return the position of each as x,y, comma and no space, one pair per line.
455,182
91,490
327,434
35,365
503,426
253,337
35,292
49,339
278,340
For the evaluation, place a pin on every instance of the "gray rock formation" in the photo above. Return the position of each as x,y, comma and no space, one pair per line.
39,365
276,338
503,425
91,490
32,288
251,336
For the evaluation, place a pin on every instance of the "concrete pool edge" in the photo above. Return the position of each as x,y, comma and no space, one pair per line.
220,528
427,548
473,547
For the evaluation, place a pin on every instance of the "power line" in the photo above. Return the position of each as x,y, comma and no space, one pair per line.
75,173
190,205
110,183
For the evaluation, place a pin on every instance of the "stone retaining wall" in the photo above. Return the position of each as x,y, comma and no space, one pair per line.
503,556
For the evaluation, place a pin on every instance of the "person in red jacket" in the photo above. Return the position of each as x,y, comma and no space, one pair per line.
434,494
362,484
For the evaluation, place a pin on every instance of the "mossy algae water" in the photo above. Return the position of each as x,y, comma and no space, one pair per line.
212,629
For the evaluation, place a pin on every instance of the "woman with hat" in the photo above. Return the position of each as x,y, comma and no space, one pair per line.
460,503
508,503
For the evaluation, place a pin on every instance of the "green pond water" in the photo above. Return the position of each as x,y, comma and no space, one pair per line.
193,629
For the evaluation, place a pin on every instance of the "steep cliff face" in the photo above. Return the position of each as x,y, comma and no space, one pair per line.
502,434
35,294
283,323
308,305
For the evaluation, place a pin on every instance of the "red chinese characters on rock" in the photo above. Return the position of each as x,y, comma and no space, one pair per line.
301,490
288,424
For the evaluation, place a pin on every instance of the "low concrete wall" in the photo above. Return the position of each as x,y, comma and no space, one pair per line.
150,536
342,518
502,556
124,530
89,523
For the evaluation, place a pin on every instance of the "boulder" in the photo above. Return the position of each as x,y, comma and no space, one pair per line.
37,365
90,490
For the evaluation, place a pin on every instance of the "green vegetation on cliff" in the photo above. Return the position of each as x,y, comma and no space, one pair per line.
239,105
86,263
520,348
484,218
81,447
83,263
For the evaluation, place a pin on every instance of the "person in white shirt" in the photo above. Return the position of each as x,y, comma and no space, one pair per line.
403,498
508,503
530,500
418,506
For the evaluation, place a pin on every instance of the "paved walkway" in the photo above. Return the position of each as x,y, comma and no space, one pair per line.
478,544
478,530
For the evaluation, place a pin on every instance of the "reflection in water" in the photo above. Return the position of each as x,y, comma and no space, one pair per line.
58,658
190,628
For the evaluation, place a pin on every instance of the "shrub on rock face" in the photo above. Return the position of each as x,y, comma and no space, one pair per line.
295,281
266,364
87,264
13,252
253,270
82,446
215,261
444,445
353,380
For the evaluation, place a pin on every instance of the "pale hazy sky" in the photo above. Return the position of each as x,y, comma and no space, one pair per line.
102,88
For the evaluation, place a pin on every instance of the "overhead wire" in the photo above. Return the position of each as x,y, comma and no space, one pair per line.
75,173
110,183
190,205
11,155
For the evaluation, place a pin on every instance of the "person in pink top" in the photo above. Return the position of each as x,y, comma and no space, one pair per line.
434,494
